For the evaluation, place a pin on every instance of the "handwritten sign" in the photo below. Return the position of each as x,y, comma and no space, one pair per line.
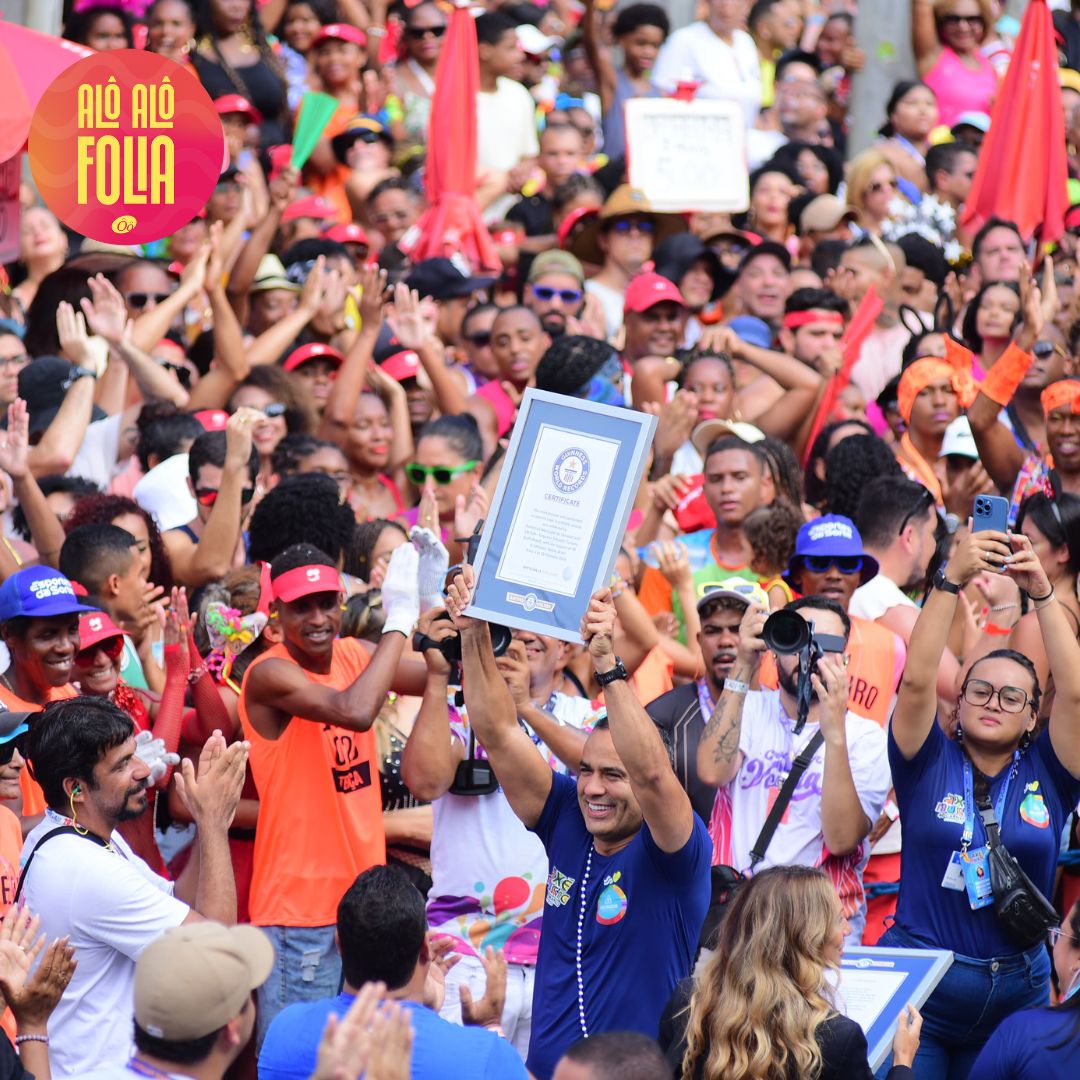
687,155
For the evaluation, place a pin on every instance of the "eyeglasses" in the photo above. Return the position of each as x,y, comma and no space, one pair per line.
418,33
846,564
15,361
141,299
112,647
13,743
979,692
926,500
628,225
545,293
882,185
956,20
368,137
441,474
1055,933
479,340
208,496
273,410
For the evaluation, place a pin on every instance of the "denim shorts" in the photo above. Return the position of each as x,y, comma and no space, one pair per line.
970,1002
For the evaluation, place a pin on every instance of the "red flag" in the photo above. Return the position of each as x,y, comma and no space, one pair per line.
452,224
1022,172
858,330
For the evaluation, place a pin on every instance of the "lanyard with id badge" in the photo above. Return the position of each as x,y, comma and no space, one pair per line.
969,868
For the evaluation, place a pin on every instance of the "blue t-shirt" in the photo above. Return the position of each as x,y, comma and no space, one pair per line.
441,1050
930,794
643,914
1020,1049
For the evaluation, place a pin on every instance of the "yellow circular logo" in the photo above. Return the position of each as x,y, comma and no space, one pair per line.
123,224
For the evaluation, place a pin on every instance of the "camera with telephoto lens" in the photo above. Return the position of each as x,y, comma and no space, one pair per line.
787,633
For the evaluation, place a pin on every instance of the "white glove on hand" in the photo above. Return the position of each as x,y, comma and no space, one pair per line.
152,752
401,591
434,562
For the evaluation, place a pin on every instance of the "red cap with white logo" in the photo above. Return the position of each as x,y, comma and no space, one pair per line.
647,290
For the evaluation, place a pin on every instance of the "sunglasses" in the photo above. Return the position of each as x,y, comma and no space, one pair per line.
368,137
882,185
208,496
112,647
182,372
273,410
1011,698
441,474
141,299
545,294
926,500
1044,349
418,33
956,20
846,564
628,225
479,340
15,742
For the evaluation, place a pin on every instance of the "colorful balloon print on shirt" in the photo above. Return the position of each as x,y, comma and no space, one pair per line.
1033,808
612,903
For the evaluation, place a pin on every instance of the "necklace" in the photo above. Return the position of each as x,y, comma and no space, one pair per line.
577,956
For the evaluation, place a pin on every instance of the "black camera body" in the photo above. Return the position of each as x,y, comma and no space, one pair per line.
787,633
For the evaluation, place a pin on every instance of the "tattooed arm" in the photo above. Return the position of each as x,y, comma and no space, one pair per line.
718,756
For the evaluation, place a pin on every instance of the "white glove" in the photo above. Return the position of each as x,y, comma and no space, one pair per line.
434,562
401,591
152,752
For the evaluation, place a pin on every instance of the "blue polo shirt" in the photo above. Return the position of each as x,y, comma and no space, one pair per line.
441,1050
643,911
930,794
1034,1044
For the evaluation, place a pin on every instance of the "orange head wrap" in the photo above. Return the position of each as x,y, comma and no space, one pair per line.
956,367
1063,394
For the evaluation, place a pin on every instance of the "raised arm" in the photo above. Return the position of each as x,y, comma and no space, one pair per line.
916,702
924,35
718,755
664,804
522,772
602,66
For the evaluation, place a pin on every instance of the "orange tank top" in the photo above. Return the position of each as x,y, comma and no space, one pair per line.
33,798
320,806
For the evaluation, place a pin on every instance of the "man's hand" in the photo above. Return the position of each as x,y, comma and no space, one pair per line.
313,294
459,596
669,491
74,341
239,429
373,296
435,626
212,793
440,949
487,1012
598,629
673,559
105,311
675,421
959,495
282,188
469,512
15,442
830,683
976,552
751,643
513,665
345,1046
391,1044
32,998
719,339
408,321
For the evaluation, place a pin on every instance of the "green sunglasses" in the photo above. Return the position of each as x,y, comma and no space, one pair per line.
441,474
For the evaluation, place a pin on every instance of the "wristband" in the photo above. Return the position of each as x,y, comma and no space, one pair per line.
736,687
376,31
1042,600
997,631
1006,375
20,1039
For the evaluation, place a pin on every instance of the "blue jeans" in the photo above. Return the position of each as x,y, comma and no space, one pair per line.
307,967
969,1003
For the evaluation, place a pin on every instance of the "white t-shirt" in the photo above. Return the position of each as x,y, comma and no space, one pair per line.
485,865
505,135
611,301
768,746
112,905
728,72
878,595
96,457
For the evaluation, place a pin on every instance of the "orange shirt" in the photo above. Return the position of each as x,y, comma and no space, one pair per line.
331,185
33,798
11,842
320,806
653,676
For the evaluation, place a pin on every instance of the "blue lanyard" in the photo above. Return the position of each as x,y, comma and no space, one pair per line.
705,701
969,798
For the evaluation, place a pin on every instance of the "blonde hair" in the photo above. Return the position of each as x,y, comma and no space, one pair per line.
860,169
758,1002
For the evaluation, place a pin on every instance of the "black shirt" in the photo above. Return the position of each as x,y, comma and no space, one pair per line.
679,714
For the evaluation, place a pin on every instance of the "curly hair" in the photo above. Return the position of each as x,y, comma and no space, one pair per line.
771,532
289,390
304,509
813,484
103,509
849,466
758,1002
365,537
784,468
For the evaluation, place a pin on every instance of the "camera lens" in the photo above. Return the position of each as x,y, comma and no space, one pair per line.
786,632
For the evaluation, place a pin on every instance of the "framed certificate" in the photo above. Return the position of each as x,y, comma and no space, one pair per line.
559,514
876,983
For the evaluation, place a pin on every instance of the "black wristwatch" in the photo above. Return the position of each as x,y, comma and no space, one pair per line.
77,372
617,672
942,582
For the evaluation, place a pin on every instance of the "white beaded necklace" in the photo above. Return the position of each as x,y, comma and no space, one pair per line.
580,929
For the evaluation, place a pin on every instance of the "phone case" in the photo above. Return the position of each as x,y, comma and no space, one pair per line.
990,513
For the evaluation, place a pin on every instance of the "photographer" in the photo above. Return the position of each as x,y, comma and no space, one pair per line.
845,783
987,760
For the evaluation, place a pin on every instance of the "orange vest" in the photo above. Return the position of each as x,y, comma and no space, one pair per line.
320,806
875,663
33,798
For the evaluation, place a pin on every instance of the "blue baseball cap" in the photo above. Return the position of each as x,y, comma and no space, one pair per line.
38,592
831,535
752,330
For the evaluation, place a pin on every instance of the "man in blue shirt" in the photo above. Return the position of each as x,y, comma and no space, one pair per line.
382,937
628,884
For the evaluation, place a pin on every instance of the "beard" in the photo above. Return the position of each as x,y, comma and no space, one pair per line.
788,679
127,812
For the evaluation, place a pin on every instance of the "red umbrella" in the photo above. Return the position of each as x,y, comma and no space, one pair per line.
452,224
29,61
1022,173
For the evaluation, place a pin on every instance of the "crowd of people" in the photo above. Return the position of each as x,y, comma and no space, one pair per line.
278,807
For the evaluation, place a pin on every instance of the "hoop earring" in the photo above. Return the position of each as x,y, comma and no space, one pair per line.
74,817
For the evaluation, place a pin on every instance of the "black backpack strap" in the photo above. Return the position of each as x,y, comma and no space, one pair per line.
58,831
799,766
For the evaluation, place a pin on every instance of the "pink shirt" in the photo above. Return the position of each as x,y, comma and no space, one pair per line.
961,89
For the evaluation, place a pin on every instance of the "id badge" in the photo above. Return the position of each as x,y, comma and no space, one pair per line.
977,878
954,874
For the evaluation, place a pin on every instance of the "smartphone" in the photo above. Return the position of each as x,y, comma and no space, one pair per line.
990,513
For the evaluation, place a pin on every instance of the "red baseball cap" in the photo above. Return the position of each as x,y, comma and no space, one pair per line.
212,419
237,103
305,580
402,365
311,206
96,626
311,352
340,32
347,234
648,290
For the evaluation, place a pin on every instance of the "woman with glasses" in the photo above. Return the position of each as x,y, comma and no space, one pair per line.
872,187
414,70
990,752
947,35
1040,1043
